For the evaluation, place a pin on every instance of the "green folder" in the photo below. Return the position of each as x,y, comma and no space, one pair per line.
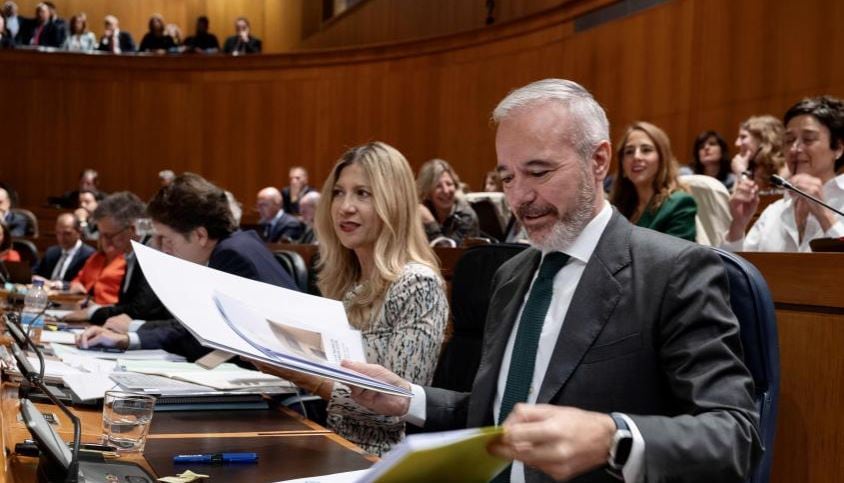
447,456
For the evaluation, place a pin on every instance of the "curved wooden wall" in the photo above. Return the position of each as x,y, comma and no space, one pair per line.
686,65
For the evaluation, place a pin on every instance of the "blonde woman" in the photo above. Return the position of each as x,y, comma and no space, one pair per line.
647,191
444,213
760,143
375,258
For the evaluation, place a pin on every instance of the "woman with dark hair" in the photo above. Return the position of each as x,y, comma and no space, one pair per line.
156,40
814,146
647,191
80,39
7,253
712,158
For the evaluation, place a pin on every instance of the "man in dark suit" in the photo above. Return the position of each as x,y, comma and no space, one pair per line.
48,30
62,262
610,351
17,224
293,193
115,40
193,221
242,43
277,224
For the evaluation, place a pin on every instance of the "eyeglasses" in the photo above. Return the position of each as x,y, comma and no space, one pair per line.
111,236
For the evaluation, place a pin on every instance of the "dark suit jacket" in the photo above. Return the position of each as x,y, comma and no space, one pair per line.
138,301
17,224
288,226
243,254
54,253
127,44
52,35
649,333
289,205
233,43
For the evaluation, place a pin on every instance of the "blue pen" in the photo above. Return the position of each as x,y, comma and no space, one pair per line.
217,458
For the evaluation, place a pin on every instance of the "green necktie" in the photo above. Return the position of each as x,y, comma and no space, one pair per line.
523,358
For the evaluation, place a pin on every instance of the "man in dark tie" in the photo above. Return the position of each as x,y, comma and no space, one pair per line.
16,222
277,224
63,261
610,351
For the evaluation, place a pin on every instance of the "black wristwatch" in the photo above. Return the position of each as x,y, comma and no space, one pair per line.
622,443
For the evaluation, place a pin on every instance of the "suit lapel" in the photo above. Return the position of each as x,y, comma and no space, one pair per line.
501,317
594,301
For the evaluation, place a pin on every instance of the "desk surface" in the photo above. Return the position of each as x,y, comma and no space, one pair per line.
288,445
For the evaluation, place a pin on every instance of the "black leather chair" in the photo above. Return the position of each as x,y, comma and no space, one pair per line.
294,264
751,302
27,250
488,221
470,292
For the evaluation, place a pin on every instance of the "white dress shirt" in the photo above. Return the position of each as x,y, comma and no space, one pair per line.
565,283
776,228
65,258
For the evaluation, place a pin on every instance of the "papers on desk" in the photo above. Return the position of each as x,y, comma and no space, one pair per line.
63,351
58,337
56,313
344,477
257,320
223,377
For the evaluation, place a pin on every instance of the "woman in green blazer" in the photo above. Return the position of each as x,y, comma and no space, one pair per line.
646,190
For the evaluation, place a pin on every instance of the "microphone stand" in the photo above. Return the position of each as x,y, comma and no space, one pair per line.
37,380
778,180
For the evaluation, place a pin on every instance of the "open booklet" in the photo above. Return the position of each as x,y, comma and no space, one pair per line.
255,320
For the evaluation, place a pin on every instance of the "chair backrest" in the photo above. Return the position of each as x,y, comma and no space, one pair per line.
713,208
295,266
751,302
27,250
470,293
488,220
31,222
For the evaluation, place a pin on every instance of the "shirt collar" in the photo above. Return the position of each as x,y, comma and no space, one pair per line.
585,243
74,248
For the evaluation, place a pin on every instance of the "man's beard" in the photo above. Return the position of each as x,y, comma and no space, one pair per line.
568,226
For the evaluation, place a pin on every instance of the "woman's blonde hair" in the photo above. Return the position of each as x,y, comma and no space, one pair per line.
400,241
429,176
768,132
624,195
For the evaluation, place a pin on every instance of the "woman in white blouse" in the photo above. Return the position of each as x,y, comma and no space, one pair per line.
814,148
80,39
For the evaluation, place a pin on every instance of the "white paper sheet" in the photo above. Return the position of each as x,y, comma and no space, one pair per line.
345,477
89,386
58,337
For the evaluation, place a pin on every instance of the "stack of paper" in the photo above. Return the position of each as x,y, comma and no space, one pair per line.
223,377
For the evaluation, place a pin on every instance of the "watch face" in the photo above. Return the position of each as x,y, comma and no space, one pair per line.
622,451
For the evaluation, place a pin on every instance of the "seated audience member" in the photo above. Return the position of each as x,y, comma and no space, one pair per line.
156,40
760,151
88,181
243,42
115,40
88,201
202,40
193,221
235,206
814,143
100,276
579,363
175,33
62,262
277,224
116,216
293,192
712,159
375,258
492,182
16,223
647,191
7,40
444,213
80,39
49,30
7,253
307,207
166,176
12,20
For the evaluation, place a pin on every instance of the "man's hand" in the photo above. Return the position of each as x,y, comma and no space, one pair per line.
562,442
118,323
98,336
743,204
385,404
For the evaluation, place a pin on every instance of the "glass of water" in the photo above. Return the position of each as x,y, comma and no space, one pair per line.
126,420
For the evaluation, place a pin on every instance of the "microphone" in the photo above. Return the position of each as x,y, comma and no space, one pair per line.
778,180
